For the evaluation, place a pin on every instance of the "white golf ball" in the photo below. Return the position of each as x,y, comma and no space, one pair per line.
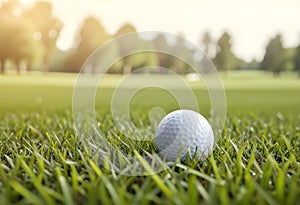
181,132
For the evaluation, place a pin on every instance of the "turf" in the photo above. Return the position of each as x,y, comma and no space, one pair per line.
256,161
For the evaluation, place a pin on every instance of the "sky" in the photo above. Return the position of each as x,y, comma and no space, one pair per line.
251,23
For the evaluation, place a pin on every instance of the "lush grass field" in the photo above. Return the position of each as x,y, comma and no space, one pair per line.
245,92
256,161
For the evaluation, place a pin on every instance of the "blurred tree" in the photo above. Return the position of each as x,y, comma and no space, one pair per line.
182,53
11,8
16,39
24,48
125,29
207,42
164,60
289,59
225,59
252,65
150,58
47,28
91,36
297,60
8,14
58,60
131,61
4,54
274,58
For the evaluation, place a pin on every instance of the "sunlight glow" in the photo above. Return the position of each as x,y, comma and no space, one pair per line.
251,23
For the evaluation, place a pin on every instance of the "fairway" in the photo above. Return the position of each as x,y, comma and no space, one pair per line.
256,160
250,92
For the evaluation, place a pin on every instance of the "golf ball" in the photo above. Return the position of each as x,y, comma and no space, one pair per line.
181,132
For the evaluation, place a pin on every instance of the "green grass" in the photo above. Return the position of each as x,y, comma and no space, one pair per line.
253,91
256,161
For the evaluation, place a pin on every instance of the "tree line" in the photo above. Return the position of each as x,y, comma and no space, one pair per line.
29,35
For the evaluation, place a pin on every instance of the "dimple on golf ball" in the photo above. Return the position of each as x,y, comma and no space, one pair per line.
184,131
